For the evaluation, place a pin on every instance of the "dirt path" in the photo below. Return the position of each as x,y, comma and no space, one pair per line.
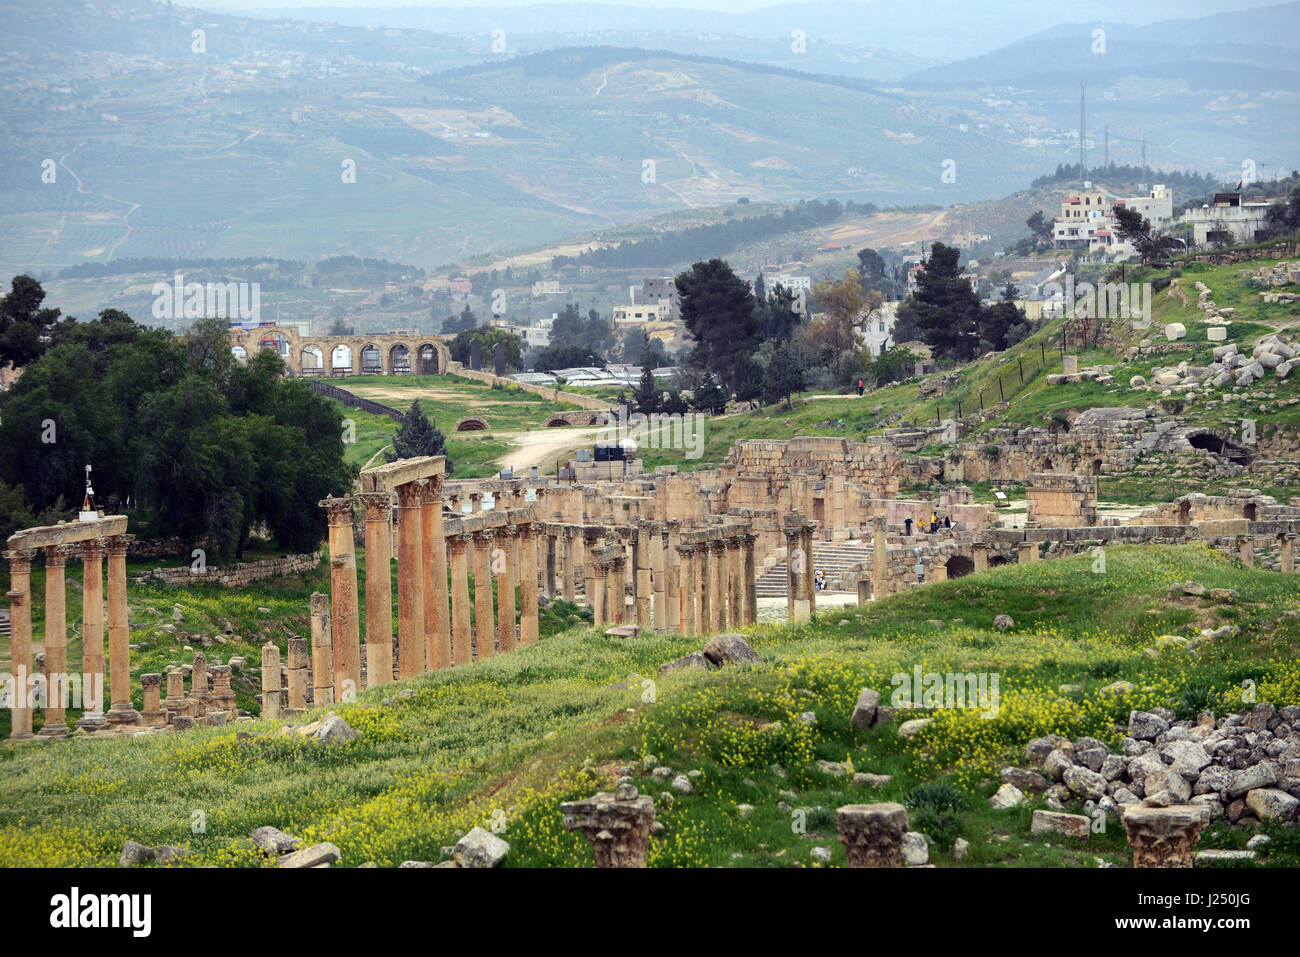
541,447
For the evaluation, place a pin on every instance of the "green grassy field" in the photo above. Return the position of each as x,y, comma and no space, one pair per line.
509,739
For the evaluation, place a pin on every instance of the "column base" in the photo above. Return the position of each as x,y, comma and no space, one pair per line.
53,731
120,714
92,722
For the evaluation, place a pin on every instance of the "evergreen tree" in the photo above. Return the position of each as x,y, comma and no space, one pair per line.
647,396
417,435
944,307
718,309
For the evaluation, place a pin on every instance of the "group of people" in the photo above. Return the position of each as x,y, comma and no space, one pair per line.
932,526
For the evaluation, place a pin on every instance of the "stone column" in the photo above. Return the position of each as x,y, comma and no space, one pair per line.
460,631
223,698
796,569
641,568
437,620
322,661
1246,549
549,548
528,585
567,563
673,574
749,580
152,712
120,711
410,579
1287,546
93,674
343,594
686,614
879,558
484,623
20,639
1028,552
704,587
270,681
980,556
56,642
809,586
506,569
379,587
597,586
297,674
735,607
1164,836
872,834
616,825
659,576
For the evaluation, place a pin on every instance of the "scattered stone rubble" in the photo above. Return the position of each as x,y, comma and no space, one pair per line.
1230,370
1243,766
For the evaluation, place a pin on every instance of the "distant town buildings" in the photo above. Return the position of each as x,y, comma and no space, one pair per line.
1227,219
656,291
876,329
1087,221
548,287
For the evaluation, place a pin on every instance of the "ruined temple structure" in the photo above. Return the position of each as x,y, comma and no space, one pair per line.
90,539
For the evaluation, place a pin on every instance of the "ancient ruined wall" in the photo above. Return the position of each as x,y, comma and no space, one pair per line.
1061,501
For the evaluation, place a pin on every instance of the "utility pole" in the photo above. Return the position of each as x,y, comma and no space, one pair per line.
1083,134
1105,162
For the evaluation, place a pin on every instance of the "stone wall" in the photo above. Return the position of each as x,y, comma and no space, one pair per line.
234,576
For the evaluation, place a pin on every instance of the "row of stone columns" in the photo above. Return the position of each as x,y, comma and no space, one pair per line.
716,584
91,540
433,617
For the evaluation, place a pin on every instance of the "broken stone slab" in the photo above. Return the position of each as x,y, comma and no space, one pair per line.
1055,822
864,712
314,856
622,631
480,848
1271,804
273,841
730,650
329,729
1006,797
1223,857
692,662
134,853
1023,779
865,779
914,727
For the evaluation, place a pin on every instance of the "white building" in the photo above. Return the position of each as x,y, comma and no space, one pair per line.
1227,218
876,329
661,311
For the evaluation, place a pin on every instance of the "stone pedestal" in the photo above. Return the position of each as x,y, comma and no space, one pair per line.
322,661
616,825
270,681
175,702
410,579
1028,552
1164,836
298,662
1246,549
872,834
980,556
152,712
379,587
223,698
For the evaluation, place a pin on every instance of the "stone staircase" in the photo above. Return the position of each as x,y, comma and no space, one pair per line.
835,559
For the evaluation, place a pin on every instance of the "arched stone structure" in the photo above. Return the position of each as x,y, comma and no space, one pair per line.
959,566
312,360
341,355
473,423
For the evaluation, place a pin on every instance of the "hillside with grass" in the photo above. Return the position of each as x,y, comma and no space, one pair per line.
502,743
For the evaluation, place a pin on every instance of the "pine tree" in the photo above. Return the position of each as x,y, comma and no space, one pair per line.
647,395
416,436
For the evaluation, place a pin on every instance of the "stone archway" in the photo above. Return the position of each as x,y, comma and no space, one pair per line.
341,360
473,423
240,353
312,361
276,341
427,361
959,566
372,360
399,360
